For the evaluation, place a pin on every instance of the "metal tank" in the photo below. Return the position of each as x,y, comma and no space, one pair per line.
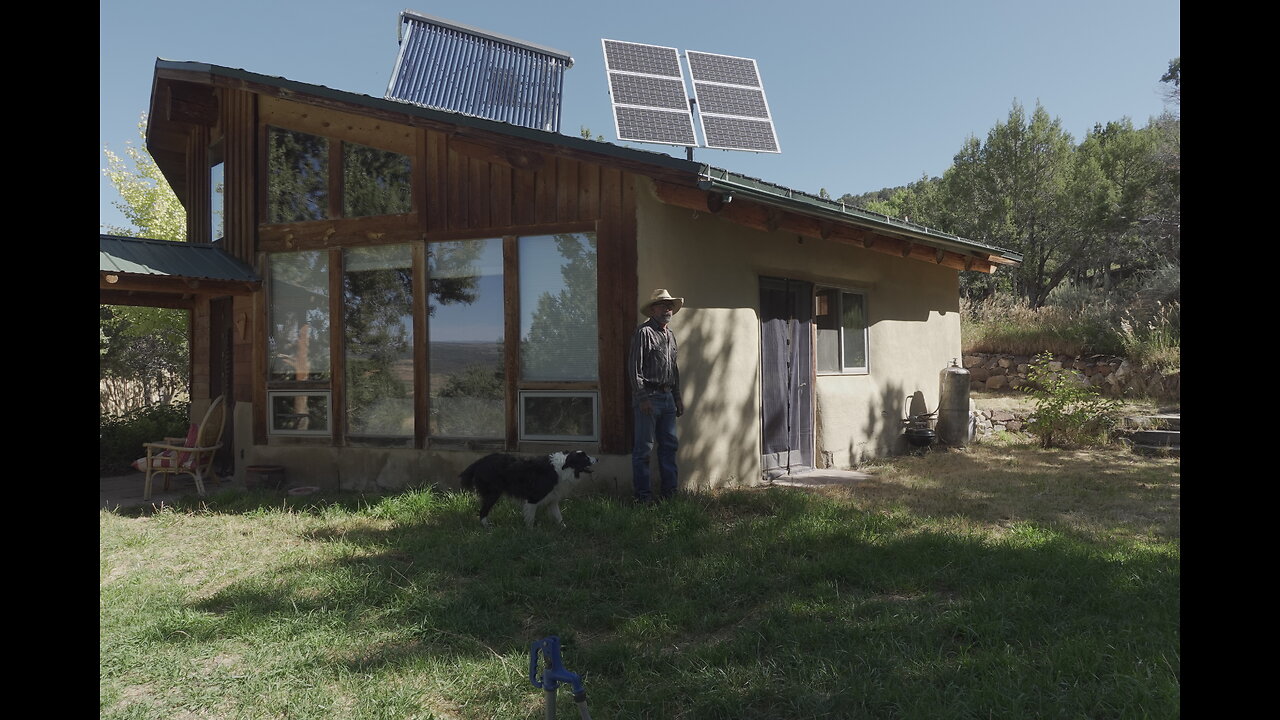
954,426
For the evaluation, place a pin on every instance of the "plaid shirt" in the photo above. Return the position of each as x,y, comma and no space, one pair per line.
651,363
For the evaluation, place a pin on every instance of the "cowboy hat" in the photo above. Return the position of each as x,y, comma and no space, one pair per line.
658,296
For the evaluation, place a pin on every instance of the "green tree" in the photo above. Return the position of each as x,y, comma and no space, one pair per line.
143,354
1017,190
567,318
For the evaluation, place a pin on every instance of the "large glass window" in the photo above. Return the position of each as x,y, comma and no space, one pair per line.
375,182
298,176
377,287
841,319
298,344
465,321
558,333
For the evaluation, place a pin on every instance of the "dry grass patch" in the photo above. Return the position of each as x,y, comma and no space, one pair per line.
1098,492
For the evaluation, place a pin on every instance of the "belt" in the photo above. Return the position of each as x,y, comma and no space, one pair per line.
658,386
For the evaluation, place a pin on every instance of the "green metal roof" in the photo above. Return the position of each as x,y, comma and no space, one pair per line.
165,258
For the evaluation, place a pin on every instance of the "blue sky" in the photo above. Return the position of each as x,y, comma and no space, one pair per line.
864,95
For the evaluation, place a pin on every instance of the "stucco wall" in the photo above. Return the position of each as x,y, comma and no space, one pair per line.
914,332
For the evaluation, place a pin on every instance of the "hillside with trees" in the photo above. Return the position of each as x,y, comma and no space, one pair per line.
1098,222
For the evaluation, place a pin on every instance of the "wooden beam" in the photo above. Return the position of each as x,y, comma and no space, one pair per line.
172,284
511,328
135,298
347,232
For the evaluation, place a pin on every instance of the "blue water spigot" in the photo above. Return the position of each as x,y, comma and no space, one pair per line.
555,674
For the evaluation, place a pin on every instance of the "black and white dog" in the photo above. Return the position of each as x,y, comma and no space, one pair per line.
539,481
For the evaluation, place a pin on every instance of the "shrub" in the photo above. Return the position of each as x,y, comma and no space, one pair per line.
120,439
1067,410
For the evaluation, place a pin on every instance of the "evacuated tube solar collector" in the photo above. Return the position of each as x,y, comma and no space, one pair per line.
451,66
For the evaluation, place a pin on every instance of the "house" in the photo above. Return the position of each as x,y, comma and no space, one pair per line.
426,286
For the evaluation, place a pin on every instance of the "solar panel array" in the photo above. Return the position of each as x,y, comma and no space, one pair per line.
650,99
647,90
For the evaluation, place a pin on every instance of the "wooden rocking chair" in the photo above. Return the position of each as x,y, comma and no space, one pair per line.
192,455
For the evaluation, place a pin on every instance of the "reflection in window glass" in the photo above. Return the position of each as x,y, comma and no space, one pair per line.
375,182
558,416
465,312
558,335
216,190
854,326
298,344
378,322
298,176
825,317
299,413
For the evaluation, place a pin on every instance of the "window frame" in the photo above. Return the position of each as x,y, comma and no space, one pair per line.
271,425
839,292
525,435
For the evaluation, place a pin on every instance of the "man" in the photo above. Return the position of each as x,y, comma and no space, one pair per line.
655,395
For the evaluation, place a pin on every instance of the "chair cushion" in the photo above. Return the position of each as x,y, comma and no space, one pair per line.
192,433
167,458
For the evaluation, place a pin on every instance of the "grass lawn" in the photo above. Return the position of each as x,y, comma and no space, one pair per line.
999,581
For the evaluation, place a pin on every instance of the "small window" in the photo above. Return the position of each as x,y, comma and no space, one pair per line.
841,319
217,180
559,415
299,413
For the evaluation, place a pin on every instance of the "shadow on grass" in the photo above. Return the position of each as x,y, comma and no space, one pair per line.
742,604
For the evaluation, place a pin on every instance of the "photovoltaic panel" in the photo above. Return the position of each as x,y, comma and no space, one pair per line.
647,91
732,108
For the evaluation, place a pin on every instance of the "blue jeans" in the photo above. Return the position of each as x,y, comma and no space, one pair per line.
660,424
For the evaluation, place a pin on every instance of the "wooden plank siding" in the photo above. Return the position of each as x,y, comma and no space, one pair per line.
239,173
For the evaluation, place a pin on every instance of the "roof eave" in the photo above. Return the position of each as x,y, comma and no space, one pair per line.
722,181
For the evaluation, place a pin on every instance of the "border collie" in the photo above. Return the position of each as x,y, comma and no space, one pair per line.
539,481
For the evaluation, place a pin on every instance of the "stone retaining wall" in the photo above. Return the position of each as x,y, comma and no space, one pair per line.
1113,376
986,422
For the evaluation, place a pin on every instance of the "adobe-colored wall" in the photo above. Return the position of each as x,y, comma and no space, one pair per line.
914,332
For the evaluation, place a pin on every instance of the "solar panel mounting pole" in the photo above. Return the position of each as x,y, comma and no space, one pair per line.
688,151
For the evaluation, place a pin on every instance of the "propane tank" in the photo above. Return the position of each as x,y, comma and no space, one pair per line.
953,405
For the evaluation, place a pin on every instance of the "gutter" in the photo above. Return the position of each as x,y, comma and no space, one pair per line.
727,183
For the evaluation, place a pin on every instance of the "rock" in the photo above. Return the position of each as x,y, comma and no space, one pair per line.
996,382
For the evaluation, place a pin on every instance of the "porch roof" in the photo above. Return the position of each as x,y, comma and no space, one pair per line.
144,271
